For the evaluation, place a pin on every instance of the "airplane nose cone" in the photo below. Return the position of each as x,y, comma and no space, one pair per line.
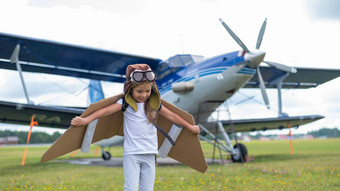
254,58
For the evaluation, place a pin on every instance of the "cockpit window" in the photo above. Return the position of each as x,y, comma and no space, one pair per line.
175,63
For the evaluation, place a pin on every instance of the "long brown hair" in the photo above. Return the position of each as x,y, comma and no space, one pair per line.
150,113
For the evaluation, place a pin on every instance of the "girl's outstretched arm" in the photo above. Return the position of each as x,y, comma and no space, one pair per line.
79,121
173,117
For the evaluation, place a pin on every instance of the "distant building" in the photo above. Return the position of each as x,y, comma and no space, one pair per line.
246,139
264,139
307,137
281,137
11,140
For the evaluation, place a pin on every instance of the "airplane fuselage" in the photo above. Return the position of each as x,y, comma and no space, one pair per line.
214,80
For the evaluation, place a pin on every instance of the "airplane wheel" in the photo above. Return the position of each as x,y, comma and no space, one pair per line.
106,155
241,153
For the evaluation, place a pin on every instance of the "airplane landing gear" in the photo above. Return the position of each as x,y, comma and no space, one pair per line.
241,153
106,155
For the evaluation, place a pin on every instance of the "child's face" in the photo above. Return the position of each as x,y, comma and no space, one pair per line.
142,92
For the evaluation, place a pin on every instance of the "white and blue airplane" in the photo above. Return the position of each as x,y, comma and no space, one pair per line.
192,83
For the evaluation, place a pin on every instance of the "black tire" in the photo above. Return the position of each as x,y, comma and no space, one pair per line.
106,155
241,153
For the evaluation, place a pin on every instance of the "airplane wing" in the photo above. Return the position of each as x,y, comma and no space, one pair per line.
47,116
263,124
37,55
303,78
43,56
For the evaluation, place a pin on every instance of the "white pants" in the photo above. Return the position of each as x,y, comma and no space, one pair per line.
139,170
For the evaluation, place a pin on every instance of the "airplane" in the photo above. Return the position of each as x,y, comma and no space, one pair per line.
191,82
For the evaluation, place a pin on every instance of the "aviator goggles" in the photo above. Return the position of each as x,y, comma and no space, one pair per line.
142,75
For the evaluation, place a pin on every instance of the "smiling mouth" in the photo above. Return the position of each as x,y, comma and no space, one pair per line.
141,99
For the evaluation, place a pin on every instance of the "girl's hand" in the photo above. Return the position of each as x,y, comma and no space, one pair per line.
195,129
79,121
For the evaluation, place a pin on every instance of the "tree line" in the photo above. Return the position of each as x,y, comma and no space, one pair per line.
326,132
36,137
41,137
321,133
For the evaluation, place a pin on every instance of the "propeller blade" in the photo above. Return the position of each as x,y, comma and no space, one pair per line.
239,42
263,88
260,37
281,67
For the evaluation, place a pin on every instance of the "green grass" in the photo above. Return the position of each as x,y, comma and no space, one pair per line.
314,166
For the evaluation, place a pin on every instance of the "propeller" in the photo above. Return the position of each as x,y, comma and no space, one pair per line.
260,37
272,64
254,58
263,88
281,67
238,40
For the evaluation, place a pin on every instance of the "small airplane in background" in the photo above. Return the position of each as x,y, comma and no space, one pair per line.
192,83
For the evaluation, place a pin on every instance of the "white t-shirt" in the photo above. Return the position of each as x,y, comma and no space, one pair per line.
140,136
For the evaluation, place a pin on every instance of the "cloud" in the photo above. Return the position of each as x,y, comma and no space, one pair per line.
323,9
127,8
42,88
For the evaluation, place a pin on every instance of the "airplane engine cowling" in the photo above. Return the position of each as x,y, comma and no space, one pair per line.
182,87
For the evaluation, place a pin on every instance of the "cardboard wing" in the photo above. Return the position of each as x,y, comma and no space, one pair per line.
187,150
72,138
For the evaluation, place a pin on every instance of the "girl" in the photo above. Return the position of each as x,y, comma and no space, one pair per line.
141,105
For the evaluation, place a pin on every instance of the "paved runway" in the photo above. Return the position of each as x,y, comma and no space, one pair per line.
118,162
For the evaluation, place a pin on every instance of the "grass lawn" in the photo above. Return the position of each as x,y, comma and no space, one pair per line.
314,166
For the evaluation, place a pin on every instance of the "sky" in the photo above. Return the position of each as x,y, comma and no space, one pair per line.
301,33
